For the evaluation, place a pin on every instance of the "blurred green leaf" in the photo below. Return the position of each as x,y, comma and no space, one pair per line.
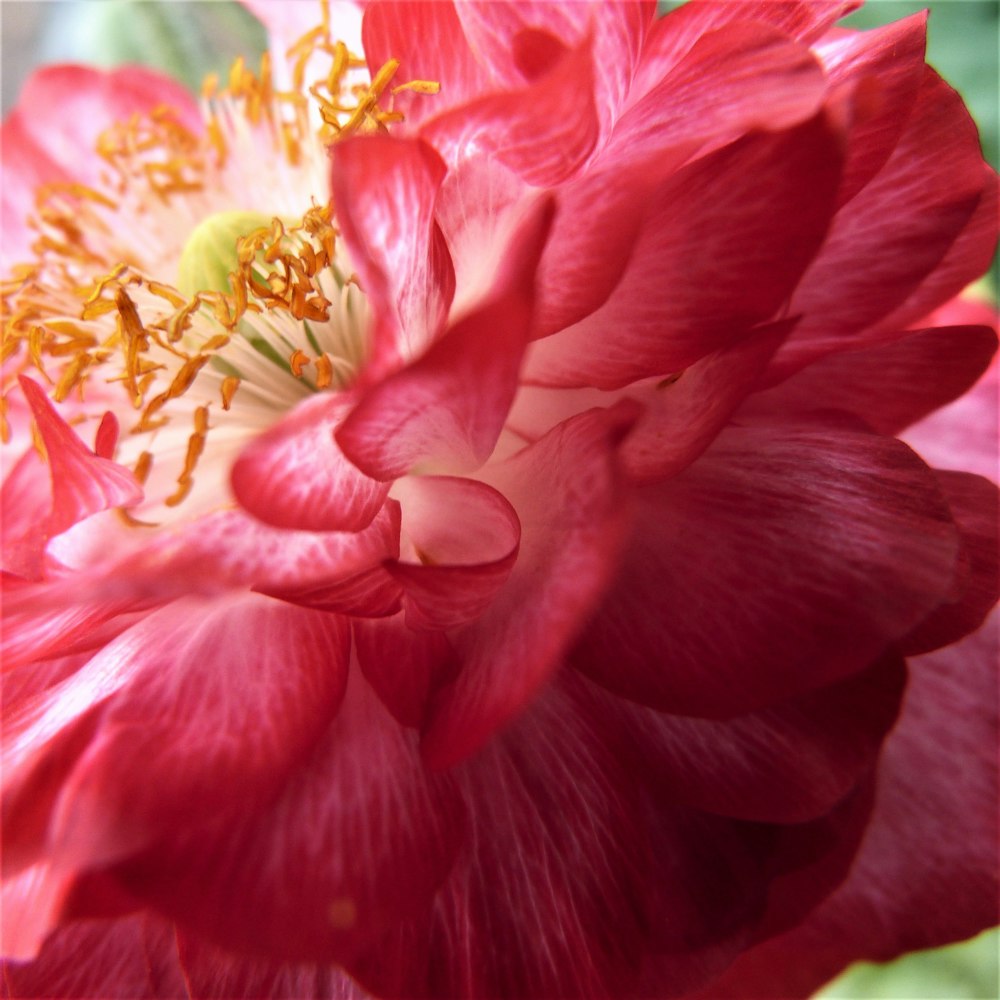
185,38
965,971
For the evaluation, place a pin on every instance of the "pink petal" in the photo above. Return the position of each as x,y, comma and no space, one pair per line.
295,476
82,483
430,44
925,368
32,906
65,108
385,190
403,665
566,492
900,226
171,745
917,883
446,410
674,35
786,558
375,833
464,537
499,33
724,242
883,70
760,79
543,132
25,496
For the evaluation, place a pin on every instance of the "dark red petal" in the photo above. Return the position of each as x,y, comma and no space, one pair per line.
723,244
385,190
893,234
973,503
785,558
789,763
360,817
889,386
213,974
927,871
568,497
403,665
446,410
461,541
169,746
295,475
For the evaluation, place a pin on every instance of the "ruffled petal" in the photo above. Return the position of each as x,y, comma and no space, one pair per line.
786,558
360,829
464,537
568,497
149,738
925,368
295,476
724,242
446,410
385,190
927,871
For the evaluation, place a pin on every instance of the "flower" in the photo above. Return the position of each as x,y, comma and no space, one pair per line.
456,541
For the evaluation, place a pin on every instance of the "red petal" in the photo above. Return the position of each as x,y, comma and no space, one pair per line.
446,410
883,69
385,190
130,959
723,244
927,871
759,79
295,476
789,763
889,386
463,536
375,833
785,558
566,492
171,739
973,503
543,132
901,226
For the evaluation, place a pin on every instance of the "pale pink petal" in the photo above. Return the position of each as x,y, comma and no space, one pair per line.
295,476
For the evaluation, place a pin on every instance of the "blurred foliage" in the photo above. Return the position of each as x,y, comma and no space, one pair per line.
186,38
965,971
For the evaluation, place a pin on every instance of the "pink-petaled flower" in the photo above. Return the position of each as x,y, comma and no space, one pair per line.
459,539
